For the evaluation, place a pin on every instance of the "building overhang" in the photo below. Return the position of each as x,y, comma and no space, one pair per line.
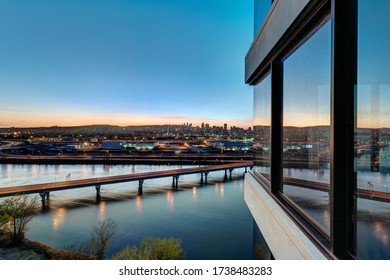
279,19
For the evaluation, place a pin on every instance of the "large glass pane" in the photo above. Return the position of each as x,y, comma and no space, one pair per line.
262,127
306,126
261,8
372,132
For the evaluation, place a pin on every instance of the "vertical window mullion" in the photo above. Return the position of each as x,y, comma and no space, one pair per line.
276,126
344,65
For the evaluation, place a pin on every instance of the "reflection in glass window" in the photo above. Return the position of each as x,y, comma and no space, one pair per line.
306,126
262,127
372,131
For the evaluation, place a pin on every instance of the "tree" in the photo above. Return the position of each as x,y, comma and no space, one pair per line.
96,246
128,253
3,224
101,238
15,213
153,248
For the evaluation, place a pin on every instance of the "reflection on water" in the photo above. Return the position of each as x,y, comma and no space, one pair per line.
194,193
170,199
210,227
138,204
58,218
102,210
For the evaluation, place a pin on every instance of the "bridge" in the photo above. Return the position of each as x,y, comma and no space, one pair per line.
44,189
372,194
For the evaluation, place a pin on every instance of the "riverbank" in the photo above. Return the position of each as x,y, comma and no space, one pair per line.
27,250
34,250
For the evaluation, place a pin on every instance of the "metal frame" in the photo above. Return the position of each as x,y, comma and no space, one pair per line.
343,81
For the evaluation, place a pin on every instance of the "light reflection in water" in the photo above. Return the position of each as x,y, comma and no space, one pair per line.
170,200
216,186
35,170
194,193
102,210
58,218
381,233
219,188
326,217
138,204
59,168
84,171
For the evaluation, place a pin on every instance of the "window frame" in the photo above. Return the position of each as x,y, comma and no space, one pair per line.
341,242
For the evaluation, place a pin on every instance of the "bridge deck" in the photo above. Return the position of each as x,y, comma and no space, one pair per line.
360,193
72,184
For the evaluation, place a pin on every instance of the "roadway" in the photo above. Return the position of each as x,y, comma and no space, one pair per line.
45,188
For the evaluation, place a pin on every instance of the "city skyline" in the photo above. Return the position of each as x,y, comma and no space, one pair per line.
124,63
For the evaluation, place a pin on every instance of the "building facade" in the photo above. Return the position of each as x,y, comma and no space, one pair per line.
320,70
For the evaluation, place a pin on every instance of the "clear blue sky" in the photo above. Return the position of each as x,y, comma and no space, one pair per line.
124,62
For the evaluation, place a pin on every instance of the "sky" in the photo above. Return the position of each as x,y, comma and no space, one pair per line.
307,75
124,62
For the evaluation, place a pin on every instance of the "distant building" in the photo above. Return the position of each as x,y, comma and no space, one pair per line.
112,145
129,145
229,145
140,145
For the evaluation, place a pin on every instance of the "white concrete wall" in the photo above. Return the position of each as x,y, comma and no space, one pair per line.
284,238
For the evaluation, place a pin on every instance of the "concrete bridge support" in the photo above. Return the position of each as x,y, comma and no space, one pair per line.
97,187
205,174
175,184
140,185
230,173
44,195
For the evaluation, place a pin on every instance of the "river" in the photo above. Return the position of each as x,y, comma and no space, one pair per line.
212,220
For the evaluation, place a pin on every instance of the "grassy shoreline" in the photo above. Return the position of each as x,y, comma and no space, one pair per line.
34,250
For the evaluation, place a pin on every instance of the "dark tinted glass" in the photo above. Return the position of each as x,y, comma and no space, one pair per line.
372,131
262,126
306,126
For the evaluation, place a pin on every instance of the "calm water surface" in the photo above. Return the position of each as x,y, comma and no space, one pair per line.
212,220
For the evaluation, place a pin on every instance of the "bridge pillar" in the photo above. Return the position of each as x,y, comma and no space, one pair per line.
225,177
44,195
251,167
140,185
97,187
230,173
201,177
246,169
175,182
206,173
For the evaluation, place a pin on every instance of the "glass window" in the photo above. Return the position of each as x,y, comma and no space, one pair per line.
261,9
262,127
372,131
306,126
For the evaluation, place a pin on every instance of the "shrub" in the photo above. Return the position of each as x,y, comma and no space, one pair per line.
153,248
